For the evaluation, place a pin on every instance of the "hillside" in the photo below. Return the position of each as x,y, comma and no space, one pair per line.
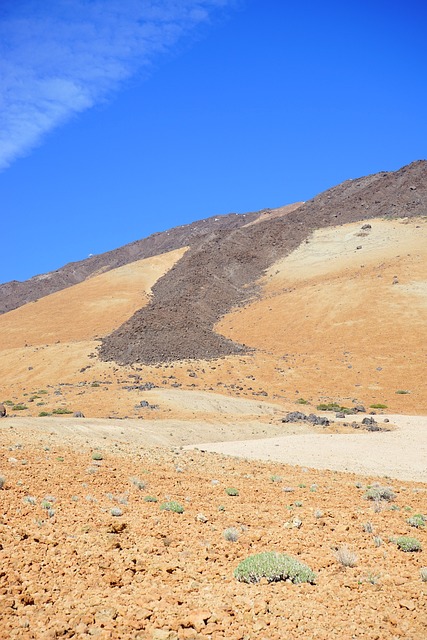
222,272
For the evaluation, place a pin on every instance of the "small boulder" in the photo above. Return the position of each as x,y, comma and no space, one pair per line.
78,414
2,410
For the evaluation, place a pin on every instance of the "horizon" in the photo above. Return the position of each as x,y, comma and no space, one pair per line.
120,122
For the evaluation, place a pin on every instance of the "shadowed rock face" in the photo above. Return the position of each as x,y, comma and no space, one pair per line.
220,270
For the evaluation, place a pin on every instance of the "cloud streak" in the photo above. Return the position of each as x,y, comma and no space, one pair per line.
61,57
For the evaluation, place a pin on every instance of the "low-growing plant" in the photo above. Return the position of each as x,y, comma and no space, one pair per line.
30,500
378,541
298,503
334,406
43,414
318,513
97,455
406,543
230,491
417,520
150,499
377,492
231,534
115,511
172,505
302,401
402,392
19,407
345,556
45,504
61,411
378,405
221,507
139,484
274,567
275,478
423,574
368,527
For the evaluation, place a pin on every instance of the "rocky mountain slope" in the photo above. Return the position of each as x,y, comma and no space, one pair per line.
15,294
221,271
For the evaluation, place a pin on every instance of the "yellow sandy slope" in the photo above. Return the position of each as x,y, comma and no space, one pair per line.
87,310
334,322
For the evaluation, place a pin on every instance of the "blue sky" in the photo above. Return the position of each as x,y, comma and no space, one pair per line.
122,118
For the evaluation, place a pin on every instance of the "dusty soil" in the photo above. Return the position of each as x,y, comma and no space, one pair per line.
72,569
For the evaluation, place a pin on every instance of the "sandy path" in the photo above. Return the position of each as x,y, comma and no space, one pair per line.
401,453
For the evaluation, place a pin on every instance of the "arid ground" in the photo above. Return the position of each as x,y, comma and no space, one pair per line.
86,549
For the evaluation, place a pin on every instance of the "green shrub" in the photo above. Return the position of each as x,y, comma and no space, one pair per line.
376,492
417,520
402,392
172,505
333,406
275,478
97,455
274,567
43,414
302,401
150,499
406,543
61,411
378,406
9,403
19,407
230,491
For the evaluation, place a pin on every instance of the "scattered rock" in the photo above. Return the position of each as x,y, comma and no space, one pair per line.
78,414
2,410
298,416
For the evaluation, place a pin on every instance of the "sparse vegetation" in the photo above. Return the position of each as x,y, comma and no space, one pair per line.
406,543
417,520
378,405
302,401
97,455
231,534
115,511
402,392
150,499
376,492
61,411
19,407
333,406
139,484
43,414
274,567
275,478
172,505
345,556
230,491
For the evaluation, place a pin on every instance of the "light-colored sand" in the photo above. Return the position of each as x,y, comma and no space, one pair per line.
400,453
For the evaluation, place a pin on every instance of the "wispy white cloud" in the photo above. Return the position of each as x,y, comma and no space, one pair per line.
61,57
